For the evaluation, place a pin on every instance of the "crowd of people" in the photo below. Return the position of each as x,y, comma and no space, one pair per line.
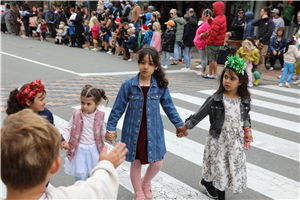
122,28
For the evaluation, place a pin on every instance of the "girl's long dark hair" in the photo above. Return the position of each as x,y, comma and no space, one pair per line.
289,42
158,74
242,91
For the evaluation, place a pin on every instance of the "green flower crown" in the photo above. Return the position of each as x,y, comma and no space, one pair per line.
237,64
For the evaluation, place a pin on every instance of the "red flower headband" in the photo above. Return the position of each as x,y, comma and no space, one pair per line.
26,94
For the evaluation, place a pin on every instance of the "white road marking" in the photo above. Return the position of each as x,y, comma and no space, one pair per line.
265,104
282,89
87,74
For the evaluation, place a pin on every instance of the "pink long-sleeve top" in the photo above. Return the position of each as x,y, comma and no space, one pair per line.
200,44
157,41
88,135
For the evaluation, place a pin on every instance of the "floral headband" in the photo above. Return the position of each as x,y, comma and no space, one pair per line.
27,94
237,64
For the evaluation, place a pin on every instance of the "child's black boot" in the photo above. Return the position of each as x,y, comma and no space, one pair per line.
221,194
209,188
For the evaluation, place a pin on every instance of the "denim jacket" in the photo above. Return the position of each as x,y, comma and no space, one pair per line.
131,96
214,107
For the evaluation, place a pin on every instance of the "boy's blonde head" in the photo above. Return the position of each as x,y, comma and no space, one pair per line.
248,45
29,146
130,31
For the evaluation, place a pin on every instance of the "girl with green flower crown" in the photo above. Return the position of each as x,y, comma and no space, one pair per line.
224,158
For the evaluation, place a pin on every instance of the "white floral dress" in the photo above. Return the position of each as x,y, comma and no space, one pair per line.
224,159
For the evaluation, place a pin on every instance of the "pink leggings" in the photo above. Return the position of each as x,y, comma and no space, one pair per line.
135,173
249,70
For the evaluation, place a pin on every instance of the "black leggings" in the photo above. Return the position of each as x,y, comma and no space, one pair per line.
44,36
33,29
26,27
274,58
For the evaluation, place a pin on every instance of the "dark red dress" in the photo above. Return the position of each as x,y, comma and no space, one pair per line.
142,148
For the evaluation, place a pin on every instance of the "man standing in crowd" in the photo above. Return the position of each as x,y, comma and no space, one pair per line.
237,27
78,26
191,11
61,16
265,29
278,21
136,13
215,39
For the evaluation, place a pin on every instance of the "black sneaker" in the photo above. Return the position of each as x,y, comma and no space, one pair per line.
209,188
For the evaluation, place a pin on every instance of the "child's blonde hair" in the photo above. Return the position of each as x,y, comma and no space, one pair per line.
29,146
95,21
248,45
62,23
103,23
131,31
86,21
157,25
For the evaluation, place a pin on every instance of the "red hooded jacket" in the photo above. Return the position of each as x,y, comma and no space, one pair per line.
218,26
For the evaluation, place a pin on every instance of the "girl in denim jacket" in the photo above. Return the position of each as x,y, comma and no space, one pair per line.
224,158
143,131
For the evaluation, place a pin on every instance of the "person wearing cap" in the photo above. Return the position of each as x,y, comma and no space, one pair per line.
237,26
168,41
135,15
278,21
148,35
148,15
191,12
265,29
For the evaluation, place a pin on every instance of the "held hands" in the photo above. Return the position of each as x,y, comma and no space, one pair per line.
64,145
116,156
248,138
110,136
182,131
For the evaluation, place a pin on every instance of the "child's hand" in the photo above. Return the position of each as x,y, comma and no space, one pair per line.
116,156
248,137
179,135
183,129
64,145
109,136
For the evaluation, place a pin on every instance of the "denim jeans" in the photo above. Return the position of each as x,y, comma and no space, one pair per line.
288,68
187,56
203,57
81,178
165,58
177,51
136,25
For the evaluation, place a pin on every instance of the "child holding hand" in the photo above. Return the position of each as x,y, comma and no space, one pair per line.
35,144
143,131
224,158
85,130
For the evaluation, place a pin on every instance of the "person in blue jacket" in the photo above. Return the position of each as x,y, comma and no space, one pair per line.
249,28
131,42
148,35
277,46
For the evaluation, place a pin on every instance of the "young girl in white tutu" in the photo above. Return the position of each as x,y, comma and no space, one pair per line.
85,132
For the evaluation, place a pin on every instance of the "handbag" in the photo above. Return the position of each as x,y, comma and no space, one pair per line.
181,44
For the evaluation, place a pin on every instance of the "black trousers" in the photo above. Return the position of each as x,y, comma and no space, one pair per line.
274,58
79,37
73,39
26,27
33,29
44,36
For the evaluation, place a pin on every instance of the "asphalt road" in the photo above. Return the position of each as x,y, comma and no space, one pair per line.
272,161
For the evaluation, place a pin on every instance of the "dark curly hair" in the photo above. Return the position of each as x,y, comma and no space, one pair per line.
159,73
13,105
242,91
97,94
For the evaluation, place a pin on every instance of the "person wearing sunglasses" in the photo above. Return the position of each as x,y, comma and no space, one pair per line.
237,27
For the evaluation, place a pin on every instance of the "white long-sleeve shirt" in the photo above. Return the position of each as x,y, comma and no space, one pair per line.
88,135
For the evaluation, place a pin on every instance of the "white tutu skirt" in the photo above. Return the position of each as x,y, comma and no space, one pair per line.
85,159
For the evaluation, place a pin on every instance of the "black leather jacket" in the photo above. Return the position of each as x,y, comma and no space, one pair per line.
214,107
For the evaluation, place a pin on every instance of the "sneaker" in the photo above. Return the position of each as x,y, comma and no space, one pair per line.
250,84
109,52
71,46
94,49
199,67
299,85
282,69
86,48
271,68
120,55
129,60
279,77
117,54
296,82
199,73
165,67
255,82
125,58
209,188
215,77
171,58
185,69
280,84
287,85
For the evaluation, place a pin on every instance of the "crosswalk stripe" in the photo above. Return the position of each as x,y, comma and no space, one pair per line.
287,148
265,104
160,184
282,89
275,96
261,118
279,187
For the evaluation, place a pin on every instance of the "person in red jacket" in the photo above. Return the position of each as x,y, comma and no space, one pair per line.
215,38
43,28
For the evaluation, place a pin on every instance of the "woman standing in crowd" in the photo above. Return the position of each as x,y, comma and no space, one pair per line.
179,24
25,19
277,46
86,15
200,40
190,28
32,21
